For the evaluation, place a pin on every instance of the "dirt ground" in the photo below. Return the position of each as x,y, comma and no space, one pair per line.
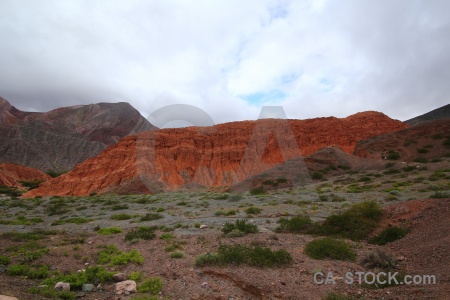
424,251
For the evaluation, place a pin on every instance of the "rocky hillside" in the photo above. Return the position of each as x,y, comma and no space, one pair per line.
216,156
437,114
421,143
62,138
11,175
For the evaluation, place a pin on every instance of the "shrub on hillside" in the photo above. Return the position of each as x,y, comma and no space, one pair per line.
330,248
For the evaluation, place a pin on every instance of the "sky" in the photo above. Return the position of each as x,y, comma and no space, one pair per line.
228,58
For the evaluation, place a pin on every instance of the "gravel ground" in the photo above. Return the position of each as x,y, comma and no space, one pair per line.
425,249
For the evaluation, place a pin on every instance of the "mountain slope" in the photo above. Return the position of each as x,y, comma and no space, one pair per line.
11,175
216,156
426,141
64,137
437,114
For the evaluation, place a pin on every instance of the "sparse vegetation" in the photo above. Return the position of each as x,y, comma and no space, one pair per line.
240,226
356,223
151,285
141,233
109,230
242,254
253,211
389,235
334,296
150,217
378,259
77,220
119,217
294,225
330,248
393,155
112,255
176,254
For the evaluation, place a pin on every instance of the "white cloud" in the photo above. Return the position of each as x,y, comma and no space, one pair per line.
228,57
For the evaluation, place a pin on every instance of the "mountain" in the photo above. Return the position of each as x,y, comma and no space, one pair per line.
62,138
297,171
217,156
437,114
421,143
11,175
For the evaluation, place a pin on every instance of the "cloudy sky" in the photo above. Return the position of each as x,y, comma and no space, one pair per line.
228,57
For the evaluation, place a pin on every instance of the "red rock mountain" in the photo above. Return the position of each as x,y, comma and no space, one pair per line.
216,156
62,138
11,175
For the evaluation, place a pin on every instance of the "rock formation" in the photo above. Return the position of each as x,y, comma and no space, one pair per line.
216,156
62,138
11,175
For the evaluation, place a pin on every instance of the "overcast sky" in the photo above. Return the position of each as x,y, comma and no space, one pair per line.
228,57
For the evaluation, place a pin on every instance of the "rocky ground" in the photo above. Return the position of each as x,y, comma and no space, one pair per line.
73,244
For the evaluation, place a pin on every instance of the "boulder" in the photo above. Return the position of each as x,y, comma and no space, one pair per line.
62,286
125,287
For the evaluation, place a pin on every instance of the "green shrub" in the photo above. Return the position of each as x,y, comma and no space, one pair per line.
114,256
22,236
77,220
109,230
242,254
253,211
150,217
176,254
241,226
389,235
356,223
420,159
143,233
235,197
151,285
31,184
50,292
24,270
77,279
422,150
257,191
120,217
446,143
54,174
144,298
317,175
136,276
440,195
294,224
207,259
167,237
4,260
392,155
334,296
365,179
409,168
330,248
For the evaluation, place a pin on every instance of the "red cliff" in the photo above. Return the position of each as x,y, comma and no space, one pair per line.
11,175
216,156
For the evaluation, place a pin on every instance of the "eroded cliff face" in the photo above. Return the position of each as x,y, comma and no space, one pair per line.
11,174
216,156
